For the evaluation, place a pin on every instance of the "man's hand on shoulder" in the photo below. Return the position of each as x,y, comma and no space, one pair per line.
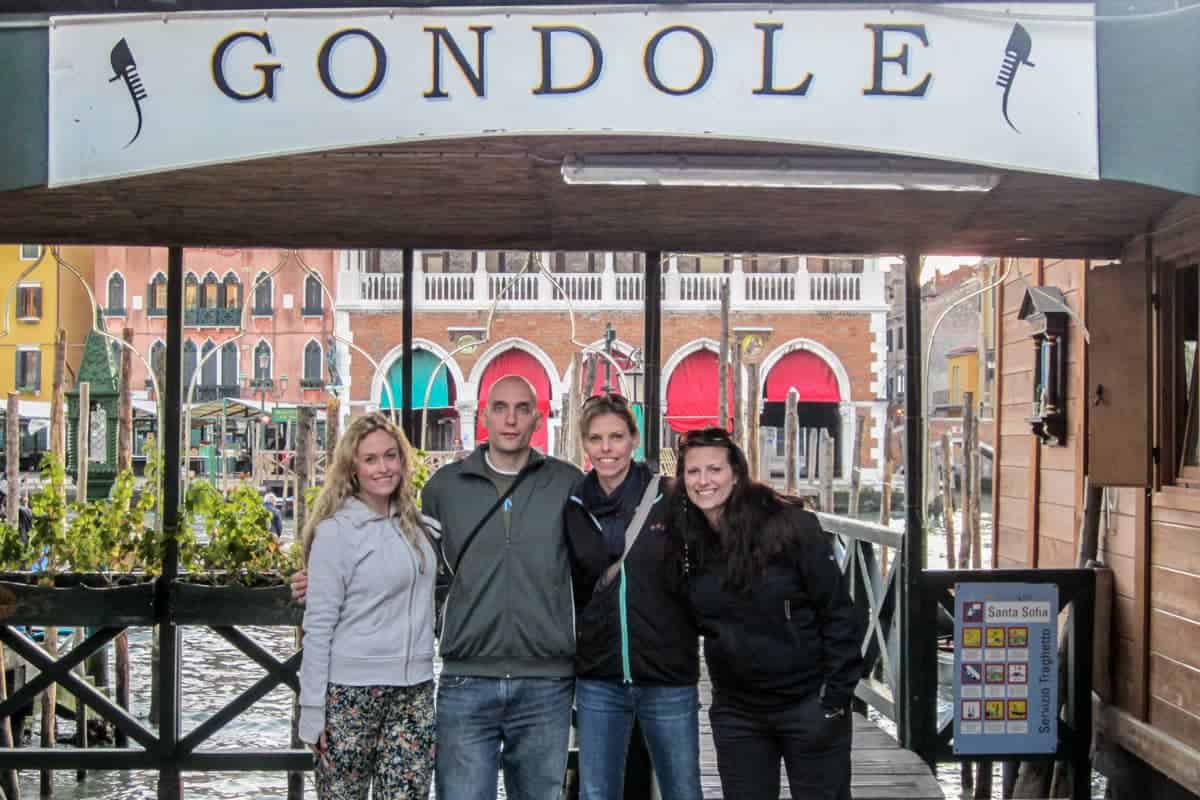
299,586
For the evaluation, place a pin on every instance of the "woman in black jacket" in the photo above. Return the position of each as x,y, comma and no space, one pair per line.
781,638
637,652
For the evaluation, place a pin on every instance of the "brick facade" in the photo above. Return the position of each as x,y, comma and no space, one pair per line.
851,336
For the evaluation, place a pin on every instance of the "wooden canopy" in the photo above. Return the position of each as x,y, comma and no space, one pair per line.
508,193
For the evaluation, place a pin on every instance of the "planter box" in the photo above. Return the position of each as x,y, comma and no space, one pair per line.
77,600
195,601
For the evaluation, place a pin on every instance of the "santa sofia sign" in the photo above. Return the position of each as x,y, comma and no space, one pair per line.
133,94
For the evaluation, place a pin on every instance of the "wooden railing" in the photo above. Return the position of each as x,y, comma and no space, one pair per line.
875,592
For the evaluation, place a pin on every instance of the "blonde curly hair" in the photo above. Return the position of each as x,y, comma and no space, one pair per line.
341,482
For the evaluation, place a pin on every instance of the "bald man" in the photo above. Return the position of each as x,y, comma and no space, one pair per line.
508,640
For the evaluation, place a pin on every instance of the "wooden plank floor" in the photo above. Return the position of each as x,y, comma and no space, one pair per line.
882,770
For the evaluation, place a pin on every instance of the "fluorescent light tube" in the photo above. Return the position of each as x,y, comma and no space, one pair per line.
771,172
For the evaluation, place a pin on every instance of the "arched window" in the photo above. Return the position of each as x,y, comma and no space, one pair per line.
191,291
116,294
208,373
189,363
263,294
156,304
210,297
262,362
231,289
312,363
312,297
229,364
115,348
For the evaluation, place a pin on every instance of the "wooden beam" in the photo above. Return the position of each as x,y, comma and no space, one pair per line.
1164,753
1141,607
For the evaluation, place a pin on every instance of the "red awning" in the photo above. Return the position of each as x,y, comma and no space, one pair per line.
694,392
517,362
809,373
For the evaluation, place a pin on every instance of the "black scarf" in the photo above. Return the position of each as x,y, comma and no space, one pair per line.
615,511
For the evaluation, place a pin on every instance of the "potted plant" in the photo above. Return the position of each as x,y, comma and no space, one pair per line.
240,576
83,569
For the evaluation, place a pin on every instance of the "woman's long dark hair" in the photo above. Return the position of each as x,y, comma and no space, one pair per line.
757,527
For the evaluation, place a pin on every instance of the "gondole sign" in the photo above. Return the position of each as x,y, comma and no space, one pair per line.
140,93
1005,668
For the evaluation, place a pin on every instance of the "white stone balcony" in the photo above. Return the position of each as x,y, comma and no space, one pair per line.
610,290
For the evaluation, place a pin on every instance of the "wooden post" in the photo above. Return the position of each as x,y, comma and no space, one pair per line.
885,490
589,375
860,422
813,443
947,460
125,406
739,422
98,663
791,429
826,470
970,497
12,458
723,360
752,417
58,436
333,430
222,430
81,710
83,442
573,444
304,449
58,447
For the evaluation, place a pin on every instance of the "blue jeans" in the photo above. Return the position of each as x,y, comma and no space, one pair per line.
522,725
670,721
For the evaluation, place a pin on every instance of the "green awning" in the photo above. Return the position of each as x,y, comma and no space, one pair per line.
424,363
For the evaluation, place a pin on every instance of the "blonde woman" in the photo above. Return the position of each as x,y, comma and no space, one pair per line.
366,681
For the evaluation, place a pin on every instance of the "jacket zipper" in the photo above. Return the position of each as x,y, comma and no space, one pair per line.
625,631
408,548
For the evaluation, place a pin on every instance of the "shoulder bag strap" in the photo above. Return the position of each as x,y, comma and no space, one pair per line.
635,526
483,521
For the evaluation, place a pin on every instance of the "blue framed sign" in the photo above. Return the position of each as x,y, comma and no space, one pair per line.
1005,668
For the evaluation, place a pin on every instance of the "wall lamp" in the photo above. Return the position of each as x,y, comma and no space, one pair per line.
878,174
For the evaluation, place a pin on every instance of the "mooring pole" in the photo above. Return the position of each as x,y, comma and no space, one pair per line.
913,711
170,786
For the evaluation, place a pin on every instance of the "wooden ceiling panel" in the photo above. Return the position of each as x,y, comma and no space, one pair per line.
508,193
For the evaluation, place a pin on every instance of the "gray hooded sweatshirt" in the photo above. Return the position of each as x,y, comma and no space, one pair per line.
368,619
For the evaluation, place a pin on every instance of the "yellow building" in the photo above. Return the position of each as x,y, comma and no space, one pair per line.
40,297
962,366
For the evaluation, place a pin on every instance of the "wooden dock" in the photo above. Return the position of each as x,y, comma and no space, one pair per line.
883,770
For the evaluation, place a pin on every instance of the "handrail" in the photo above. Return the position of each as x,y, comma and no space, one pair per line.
858,529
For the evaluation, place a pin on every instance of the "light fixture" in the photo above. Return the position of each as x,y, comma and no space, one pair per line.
872,173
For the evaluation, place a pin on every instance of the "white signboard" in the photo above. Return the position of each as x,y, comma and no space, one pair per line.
132,94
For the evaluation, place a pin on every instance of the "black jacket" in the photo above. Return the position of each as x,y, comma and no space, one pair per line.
793,634
654,641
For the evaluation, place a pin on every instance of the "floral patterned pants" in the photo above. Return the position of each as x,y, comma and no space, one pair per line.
379,738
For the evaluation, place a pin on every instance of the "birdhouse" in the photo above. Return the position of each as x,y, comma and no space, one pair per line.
1045,309
99,372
